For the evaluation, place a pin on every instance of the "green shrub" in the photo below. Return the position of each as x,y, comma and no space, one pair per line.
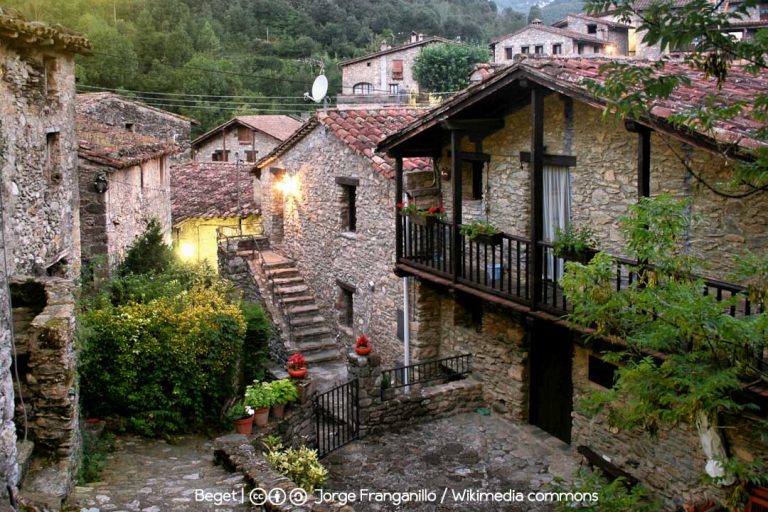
149,253
611,496
299,464
256,343
285,391
94,459
259,395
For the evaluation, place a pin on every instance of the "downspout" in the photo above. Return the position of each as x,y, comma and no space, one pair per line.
406,331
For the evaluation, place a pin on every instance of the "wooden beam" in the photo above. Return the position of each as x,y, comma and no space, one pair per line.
398,198
456,246
535,263
475,156
644,162
416,152
557,160
350,182
488,125
610,470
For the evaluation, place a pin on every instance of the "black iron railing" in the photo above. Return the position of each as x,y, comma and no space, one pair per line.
444,370
337,417
498,265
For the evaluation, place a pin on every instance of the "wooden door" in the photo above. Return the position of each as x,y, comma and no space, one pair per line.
551,383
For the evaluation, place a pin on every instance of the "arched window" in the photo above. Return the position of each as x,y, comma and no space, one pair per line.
362,88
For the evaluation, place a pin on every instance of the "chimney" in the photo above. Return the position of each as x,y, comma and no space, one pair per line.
535,21
384,45
414,37
421,37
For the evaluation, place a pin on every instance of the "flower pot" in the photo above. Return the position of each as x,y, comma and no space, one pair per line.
244,426
494,239
278,410
261,416
363,351
423,220
297,373
583,257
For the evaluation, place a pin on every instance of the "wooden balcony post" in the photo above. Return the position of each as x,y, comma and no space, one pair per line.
643,162
398,198
535,267
456,245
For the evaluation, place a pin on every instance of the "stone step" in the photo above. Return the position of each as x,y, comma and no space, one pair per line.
288,281
282,272
305,320
296,300
284,291
308,346
320,356
271,261
302,310
24,451
308,333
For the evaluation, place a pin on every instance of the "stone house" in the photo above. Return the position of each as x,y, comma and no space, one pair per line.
124,181
41,255
386,73
576,34
210,200
534,154
122,112
244,138
328,204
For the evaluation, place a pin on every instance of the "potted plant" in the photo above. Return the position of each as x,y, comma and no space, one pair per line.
362,345
482,231
242,417
297,366
284,391
260,396
575,243
423,217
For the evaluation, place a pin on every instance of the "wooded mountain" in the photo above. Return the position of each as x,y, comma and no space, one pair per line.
218,57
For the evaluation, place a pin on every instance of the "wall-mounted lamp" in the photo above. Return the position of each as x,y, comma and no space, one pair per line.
288,185
100,183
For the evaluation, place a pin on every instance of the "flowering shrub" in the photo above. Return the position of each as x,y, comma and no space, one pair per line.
362,341
408,208
297,361
435,211
301,465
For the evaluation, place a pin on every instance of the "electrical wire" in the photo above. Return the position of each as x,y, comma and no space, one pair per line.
99,88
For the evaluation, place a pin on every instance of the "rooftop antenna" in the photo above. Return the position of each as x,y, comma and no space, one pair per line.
319,90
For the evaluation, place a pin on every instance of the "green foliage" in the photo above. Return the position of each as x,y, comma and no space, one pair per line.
573,239
752,270
238,411
148,253
259,395
301,465
95,450
474,228
446,67
284,391
256,343
611,496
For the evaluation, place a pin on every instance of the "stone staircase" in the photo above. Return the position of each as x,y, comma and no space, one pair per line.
304,326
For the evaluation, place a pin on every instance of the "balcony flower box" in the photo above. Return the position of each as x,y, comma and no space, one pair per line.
494,239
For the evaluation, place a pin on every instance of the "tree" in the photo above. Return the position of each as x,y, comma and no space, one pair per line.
535,13
446,67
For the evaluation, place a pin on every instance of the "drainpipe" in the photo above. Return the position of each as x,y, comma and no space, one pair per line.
406,331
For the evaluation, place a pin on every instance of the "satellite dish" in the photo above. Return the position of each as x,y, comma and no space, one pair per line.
319,89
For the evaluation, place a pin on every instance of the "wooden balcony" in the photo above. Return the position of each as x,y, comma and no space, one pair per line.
504,270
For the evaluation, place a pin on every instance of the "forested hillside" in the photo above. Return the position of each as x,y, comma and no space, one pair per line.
211,59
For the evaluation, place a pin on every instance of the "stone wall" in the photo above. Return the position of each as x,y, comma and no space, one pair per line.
532,38
604,183
377,71
234,256
113,220
326,253
261,143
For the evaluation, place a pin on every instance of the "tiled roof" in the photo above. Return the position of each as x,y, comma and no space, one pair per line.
406,46
603,21
279,127
35,33
86,101
207,190
578,36
567,74
117,147
361,130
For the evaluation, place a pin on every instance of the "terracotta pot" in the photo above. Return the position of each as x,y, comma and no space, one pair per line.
278,411
244,426
297,374
261,416
363,351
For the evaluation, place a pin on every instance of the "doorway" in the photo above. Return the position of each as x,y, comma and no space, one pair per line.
551,382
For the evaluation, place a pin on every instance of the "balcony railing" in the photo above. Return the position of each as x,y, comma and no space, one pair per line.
501,268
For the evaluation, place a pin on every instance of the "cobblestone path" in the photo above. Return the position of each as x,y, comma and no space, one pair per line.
144,475
464,452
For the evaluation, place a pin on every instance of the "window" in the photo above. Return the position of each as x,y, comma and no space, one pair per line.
51,74
602,372
348,208
250,156
393,88
764,11
581,48
130,127
524,50
220,156
345,305
591,29
244,135
508,53
539,49
397,70
472,183
362,88
557,49
52,157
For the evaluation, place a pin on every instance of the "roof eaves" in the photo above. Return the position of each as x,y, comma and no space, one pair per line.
283,147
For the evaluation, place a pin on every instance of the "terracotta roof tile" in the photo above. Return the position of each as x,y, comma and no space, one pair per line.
36,33
117,147
85,102
207,190
279,127
406,46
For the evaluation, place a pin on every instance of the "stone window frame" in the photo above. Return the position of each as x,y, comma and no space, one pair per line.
592,28
250,155
509,53
394,89
397,69
52,162
345,304
347,203
557,48
538,49
220,155
362,88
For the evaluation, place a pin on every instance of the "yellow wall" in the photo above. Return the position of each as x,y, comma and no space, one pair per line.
195,239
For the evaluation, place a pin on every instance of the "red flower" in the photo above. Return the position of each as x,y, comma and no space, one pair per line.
297,361
432,210
362,341
400,205
441,209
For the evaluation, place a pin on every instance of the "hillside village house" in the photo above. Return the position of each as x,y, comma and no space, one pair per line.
576,34
210,200
41,246
124,182
327,204
244,138
386,75
531,140
132,115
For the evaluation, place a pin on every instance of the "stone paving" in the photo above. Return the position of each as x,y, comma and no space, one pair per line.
146,475
468,451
